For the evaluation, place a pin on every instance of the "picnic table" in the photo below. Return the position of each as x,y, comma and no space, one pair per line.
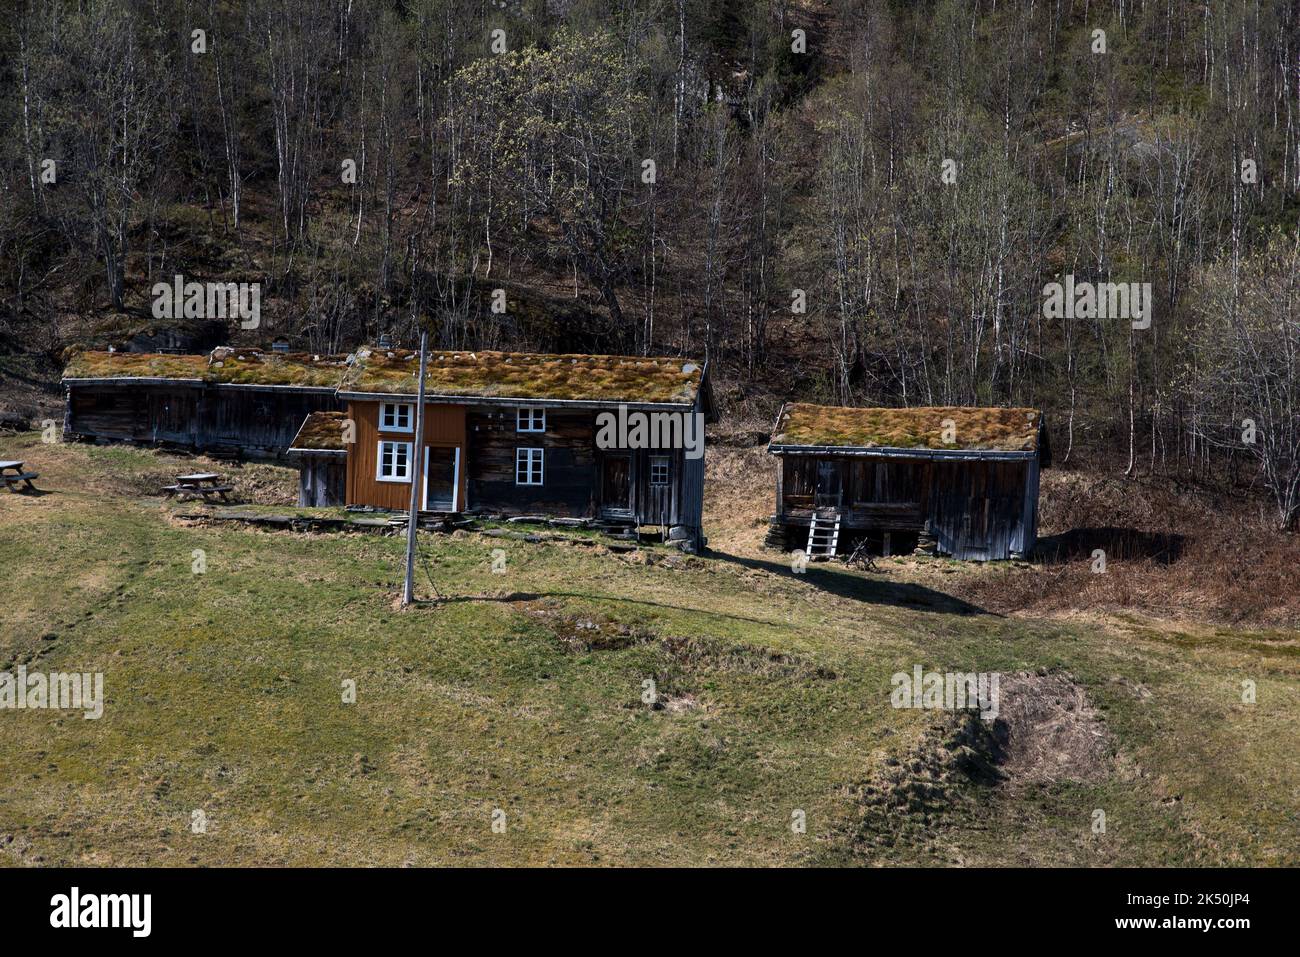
203,485
13,476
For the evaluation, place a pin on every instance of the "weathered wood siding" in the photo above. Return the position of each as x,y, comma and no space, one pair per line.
690,496
569,464
877,494
444,425
204,417
977,510
322,480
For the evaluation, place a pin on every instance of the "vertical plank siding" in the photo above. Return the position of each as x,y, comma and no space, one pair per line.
322,480
976,510
444,425
203,417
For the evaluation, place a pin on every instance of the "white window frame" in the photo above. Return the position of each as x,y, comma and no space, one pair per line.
668,470
526,455
379,462
395,406
529,414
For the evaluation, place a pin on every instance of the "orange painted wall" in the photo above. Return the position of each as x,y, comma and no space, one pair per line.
444,425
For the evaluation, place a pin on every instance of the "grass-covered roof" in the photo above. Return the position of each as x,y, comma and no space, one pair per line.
224,365
510,375
321,432
252,367
135,365
1002,430
523,375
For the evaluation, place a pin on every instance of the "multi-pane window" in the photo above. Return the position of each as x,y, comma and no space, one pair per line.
531,420
528,466
394,462
659,470
395,417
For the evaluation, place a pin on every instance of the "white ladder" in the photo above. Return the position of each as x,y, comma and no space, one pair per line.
823,533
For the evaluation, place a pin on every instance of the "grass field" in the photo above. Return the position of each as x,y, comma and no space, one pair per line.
521,692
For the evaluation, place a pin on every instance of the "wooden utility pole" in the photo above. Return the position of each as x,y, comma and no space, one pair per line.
417,471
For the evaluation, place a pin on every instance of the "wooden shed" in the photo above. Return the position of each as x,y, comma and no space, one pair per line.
244,401
320,452
956,481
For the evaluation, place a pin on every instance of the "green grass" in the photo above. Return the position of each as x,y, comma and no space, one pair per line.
224,695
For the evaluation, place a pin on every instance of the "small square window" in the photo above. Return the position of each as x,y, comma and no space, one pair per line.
659,470
395,417
394,462
531,420
528,466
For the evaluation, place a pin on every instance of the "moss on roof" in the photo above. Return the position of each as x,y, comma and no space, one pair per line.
522,375
135,365
1003,430
322,431
253,367
224,365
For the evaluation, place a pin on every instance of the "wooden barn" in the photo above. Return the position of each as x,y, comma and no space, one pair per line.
243,401
961,482
517,434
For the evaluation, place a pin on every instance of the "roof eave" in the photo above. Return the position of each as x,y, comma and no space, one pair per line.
441,399
132,379
891,452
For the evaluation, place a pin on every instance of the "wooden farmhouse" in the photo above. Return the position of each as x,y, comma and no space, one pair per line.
517,433
504,433
961,482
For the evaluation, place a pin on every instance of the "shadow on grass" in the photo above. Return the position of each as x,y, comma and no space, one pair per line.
1164,548
523,596
833,580
836,580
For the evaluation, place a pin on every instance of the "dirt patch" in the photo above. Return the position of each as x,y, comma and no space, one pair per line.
712,655
1046,732
583,633
595,632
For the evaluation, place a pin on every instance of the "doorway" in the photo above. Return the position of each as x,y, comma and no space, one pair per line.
830,484
616,484
441,478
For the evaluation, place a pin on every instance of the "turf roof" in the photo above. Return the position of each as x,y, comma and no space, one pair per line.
522,375
322,432
224,365
252,367
1001,430
135,365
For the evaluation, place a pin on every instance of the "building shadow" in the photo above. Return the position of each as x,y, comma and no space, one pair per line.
835,579
527,596
1077,544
